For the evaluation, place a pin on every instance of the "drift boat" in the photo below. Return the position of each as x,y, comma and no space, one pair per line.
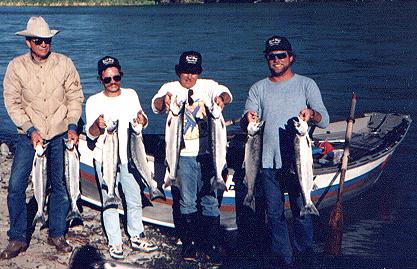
374,140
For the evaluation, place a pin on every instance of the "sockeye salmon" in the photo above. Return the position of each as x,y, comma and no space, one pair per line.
218,146
253,160
138,154
72,178
304,165
174,142
39,180
110,161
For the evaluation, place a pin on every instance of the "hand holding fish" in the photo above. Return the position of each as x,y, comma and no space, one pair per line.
252,116
140,118
307,114
167,101
73,136
36,139
219,101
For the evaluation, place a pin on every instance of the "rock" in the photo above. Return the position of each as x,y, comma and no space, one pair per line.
4,150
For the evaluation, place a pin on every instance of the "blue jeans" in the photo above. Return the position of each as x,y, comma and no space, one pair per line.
16,197
132,193
273,181
194,174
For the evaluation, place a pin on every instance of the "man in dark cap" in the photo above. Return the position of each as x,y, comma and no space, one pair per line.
116,104
275,100
195,168
43,97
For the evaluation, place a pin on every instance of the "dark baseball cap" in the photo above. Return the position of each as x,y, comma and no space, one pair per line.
106,62
190,62
277,43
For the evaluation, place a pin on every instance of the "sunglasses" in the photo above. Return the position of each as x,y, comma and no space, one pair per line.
277,55
116,78
39,41
190,100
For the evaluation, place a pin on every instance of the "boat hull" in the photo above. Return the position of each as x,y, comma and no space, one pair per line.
361,175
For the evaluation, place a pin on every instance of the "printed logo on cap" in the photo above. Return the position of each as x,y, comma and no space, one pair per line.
191,59
274,41
108,61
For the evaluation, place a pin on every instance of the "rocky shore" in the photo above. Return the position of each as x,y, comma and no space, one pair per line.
43,256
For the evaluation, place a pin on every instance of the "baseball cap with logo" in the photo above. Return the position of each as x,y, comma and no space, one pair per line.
277,43
190,62
106,62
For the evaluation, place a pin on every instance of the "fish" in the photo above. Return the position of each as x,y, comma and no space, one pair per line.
304,165
218,147
174,141
39,180
72,178
110,159
253,160
138,155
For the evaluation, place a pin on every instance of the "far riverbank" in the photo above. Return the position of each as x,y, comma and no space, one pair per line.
98,3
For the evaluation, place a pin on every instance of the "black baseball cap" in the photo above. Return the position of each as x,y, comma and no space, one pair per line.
277,43
106,62
190,62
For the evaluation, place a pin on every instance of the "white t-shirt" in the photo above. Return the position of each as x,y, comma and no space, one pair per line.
123,108
195,119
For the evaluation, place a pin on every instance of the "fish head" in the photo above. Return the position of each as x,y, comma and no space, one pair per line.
254,126
301,126
69,144
40,149
136,127
111,125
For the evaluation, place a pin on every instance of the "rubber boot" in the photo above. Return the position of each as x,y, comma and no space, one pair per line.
211,246
189,250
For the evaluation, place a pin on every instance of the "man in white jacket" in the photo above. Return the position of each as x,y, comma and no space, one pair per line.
195,167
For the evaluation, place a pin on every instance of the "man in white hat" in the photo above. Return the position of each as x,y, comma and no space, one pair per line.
43,97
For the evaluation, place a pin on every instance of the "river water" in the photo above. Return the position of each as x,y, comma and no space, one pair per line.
366,47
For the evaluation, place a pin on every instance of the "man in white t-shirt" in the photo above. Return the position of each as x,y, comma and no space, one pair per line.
195,166
111,104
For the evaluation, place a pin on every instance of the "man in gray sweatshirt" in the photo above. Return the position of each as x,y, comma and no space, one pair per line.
275,100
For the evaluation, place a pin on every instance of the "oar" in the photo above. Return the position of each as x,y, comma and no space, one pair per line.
334,239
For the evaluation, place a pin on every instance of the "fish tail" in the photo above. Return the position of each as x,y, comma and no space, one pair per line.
112,202
156,193
39,217
309,209
74,214
249,201
218,184
167,179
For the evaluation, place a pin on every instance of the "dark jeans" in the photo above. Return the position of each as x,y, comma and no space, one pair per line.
16,197
194,174
273,181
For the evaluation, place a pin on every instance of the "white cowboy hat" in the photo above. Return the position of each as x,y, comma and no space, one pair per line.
37,27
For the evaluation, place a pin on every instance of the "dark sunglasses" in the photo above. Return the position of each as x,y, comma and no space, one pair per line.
39,41
277,55
116,78
190,99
